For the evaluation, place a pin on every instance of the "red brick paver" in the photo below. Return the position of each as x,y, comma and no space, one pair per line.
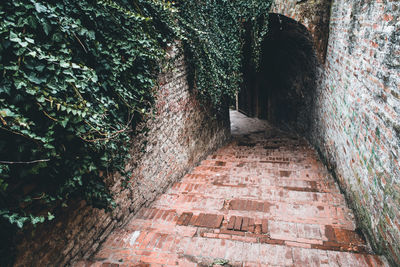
256,202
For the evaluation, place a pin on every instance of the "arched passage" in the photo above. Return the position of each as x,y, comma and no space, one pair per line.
282,89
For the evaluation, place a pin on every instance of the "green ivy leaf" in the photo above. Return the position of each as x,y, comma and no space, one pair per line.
14,37
40,8
41,99
33,78
29,40
64,64
64,123
46,27
50,216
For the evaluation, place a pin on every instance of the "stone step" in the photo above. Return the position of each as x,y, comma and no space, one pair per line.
302,233
267,181
295,191
172,250
309,212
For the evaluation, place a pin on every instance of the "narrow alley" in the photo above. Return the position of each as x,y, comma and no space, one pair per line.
262,200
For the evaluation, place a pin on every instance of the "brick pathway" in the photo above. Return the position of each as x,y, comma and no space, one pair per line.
262,200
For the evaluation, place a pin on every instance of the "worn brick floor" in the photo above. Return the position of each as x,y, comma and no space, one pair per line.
262,200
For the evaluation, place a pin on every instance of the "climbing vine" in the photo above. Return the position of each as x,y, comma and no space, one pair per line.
77,76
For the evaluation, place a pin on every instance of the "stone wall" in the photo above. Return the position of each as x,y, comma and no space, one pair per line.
357,111
175,139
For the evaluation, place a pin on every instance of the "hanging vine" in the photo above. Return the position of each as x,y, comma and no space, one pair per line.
214,31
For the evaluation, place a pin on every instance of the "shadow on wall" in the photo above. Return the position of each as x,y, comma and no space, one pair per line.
283,88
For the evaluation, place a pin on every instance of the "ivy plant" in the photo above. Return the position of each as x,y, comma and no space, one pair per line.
78,76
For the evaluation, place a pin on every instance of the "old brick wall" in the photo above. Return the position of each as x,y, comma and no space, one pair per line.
175,139
358,123
357,110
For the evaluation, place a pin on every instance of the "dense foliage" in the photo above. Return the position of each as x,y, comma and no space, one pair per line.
77,76
215,31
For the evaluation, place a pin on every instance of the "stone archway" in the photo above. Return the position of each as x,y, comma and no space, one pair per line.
282,90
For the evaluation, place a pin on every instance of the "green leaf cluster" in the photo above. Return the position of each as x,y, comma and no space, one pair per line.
76,77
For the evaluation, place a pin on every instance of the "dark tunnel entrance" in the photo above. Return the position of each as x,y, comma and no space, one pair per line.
282,89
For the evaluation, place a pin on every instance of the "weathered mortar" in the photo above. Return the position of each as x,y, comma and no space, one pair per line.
357,110
175,139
